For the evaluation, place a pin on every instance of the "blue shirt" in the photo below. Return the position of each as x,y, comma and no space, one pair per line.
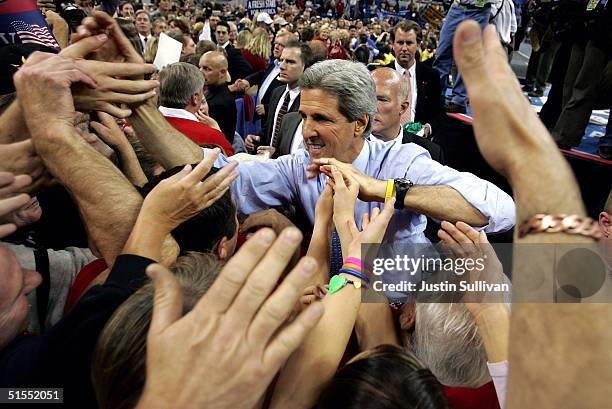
282,181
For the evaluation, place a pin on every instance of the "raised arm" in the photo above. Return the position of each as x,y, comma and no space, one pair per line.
555,347
325,344
107,201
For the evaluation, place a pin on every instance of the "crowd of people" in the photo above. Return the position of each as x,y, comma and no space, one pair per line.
155,254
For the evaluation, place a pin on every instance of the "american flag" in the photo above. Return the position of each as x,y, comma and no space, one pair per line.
34,34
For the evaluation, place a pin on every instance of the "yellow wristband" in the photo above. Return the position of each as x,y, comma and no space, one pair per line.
390,188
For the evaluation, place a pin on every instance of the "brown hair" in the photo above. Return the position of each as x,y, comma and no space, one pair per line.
405,26
118,367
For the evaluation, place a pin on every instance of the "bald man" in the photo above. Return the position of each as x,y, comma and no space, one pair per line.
221,104
392,101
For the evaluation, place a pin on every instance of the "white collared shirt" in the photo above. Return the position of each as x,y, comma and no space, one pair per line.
397,139
177,113
298,139
225,44
144,39
293,94
268,80
413,86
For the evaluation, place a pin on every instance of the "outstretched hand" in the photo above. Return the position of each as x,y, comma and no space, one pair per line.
225,352
184,194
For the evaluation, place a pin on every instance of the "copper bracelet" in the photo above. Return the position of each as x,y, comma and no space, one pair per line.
560,223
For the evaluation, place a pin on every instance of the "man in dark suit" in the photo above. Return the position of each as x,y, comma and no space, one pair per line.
237,65
291,138
426,104
267,80
393,96
295,58
221,102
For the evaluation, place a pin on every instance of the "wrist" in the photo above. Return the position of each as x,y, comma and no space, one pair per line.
376,190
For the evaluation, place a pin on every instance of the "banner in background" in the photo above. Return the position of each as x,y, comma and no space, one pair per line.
261,6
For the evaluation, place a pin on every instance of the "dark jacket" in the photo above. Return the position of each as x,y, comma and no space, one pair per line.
268,129
222,108
237,66
291,121
258,79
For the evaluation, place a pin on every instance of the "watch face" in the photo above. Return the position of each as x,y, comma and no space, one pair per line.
403,183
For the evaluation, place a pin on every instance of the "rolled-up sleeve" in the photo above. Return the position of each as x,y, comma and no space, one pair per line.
495,204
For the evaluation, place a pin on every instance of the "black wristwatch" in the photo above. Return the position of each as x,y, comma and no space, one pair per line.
402,186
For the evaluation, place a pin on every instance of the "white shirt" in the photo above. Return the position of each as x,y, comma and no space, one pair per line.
298,139
413,86
144,39
397,139
268,80
293,94
177,113
225,44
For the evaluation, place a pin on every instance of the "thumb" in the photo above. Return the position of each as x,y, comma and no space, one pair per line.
469,53
168,300
84,47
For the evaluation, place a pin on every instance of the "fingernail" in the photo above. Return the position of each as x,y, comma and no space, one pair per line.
293,236
308,266
315,310
266,236
471,36
102,37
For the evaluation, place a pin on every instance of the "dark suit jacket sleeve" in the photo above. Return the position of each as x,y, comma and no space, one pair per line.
268,128
429,104
290,123
256,78
238,65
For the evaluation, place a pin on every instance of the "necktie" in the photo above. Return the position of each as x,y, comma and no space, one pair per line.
279,119
406,116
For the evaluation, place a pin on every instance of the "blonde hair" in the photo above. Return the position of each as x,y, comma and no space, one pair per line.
244,38
150,50
260,43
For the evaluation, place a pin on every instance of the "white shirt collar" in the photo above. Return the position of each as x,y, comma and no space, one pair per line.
177,113
400,69
225,44
398,138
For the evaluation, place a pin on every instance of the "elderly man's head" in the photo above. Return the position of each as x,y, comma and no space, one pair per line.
181,87
213,66
338,106
392,100
17,283
447,341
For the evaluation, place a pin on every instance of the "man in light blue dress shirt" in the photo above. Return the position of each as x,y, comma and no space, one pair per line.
338,106
335,127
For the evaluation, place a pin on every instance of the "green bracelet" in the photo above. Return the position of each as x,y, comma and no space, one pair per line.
338,282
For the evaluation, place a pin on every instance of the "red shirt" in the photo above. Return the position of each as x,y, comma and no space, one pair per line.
257,62
201,134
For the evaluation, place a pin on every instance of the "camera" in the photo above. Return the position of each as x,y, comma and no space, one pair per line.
70,12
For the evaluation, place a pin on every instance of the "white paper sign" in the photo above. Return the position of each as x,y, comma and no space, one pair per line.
168,51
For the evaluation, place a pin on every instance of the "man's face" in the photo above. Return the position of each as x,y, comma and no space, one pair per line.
17,283
189,47
291,65
388,106
353,32
127,11
164,5
159,28
213,21
143,24
213,74
300,27
404,47
376,29
327,133
279,46
222,34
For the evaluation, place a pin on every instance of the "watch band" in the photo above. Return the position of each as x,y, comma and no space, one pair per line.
402,186
560,223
